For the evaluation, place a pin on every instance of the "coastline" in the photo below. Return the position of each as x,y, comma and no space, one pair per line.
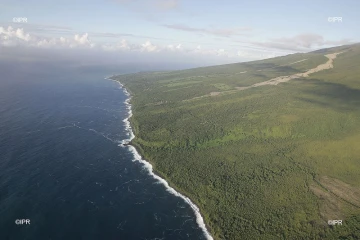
148,166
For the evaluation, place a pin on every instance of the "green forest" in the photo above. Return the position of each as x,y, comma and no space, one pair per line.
268,162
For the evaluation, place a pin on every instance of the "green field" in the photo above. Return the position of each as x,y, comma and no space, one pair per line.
271,162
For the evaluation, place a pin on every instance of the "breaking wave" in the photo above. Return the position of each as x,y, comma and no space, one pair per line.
149,167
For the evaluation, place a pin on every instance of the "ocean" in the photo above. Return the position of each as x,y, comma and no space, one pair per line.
63,166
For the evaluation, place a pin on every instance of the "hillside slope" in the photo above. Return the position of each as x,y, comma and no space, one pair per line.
277,160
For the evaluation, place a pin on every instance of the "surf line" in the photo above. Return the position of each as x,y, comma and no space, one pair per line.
149,167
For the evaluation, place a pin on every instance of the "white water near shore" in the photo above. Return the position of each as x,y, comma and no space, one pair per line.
149,168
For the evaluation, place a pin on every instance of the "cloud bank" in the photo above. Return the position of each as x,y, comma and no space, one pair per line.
10,36
171,51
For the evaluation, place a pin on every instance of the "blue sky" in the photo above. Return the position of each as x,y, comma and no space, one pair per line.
224,31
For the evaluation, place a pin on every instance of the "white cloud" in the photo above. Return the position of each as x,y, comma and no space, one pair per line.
21,35
197,49
122,45
10,36
47,43
14,37
148,47
301,42
82,40
174,47
221,52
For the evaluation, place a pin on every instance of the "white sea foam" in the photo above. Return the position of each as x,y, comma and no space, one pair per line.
149,168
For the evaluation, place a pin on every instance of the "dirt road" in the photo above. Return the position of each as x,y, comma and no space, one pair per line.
281,79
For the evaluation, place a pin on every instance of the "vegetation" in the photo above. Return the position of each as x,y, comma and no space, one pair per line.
272,162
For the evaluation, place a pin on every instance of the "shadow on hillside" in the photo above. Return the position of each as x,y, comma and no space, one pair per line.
333,95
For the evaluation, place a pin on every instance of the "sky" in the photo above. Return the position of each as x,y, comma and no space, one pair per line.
187,31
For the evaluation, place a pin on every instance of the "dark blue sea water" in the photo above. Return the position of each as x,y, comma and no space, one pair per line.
61,166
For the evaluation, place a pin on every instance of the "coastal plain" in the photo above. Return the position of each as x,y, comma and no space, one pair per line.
263,158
